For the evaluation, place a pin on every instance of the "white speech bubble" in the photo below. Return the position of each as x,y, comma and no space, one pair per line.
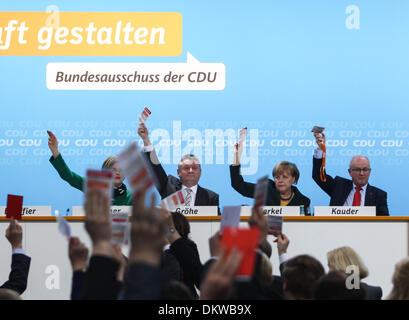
191,75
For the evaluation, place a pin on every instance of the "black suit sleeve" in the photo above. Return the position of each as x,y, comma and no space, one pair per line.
382,206
101,279
162,177
328,185
144,282
170,265
237,182
20,266
187,254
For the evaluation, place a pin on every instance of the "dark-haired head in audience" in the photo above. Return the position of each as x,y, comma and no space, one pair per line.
177,290
333,286
181,224
300,273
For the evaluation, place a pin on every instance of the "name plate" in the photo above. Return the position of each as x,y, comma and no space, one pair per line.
285,211
78,211
198,211
342,211
31,211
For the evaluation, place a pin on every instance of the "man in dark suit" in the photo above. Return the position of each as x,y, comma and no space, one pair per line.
189,172
345,192
20,262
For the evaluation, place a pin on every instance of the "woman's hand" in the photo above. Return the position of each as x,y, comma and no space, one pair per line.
53,144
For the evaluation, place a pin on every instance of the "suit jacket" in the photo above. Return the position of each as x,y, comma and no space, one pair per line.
100,281
273,196
339,189
185,250
372,292
171,265
168,184
20,266
144,282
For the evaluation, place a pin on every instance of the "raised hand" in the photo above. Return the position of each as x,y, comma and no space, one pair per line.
148,232
14,234
238,150
320,139
98,221
219,279
144,134
53,144
78,254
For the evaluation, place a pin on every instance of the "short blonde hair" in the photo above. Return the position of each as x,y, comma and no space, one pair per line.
285,166
339,259
400,281
109,162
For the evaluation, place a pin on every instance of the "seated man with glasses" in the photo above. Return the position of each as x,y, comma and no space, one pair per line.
189,172
345,192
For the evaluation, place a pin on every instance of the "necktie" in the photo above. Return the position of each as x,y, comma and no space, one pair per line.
188,198
357,197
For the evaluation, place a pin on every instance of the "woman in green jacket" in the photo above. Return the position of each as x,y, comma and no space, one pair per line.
122,196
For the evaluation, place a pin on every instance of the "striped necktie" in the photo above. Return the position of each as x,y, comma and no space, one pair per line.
188,198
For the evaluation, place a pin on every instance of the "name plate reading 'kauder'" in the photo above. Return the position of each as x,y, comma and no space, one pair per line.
285,211
198,211
78,211
31,211
344,211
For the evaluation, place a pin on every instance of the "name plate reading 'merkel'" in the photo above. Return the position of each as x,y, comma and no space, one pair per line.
285,211
198,211
345,211
31,211
78,211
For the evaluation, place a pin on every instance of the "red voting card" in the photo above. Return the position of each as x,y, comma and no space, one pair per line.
245,240
14,206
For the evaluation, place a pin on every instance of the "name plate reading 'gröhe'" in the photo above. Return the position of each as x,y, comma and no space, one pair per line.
344,211
78,211
31,211
285,211
198,211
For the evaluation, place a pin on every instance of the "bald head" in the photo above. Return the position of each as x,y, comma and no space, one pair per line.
359,170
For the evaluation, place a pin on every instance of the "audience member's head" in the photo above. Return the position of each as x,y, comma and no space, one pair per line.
400,281
181,224
177,290
266,270
333,286
339,259
265,247
8,294
300,274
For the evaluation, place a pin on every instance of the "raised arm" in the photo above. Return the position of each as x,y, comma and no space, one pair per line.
59,164
153,159
326,184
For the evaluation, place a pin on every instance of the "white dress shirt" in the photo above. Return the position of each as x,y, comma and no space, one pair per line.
192,194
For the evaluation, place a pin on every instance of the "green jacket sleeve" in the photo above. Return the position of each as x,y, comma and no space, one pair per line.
66,174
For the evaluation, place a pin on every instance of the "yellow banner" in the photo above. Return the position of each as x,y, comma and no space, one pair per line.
90,34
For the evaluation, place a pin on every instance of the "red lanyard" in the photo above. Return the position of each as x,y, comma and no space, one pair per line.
322,169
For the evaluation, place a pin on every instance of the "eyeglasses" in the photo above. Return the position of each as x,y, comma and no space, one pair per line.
358,170
187,168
